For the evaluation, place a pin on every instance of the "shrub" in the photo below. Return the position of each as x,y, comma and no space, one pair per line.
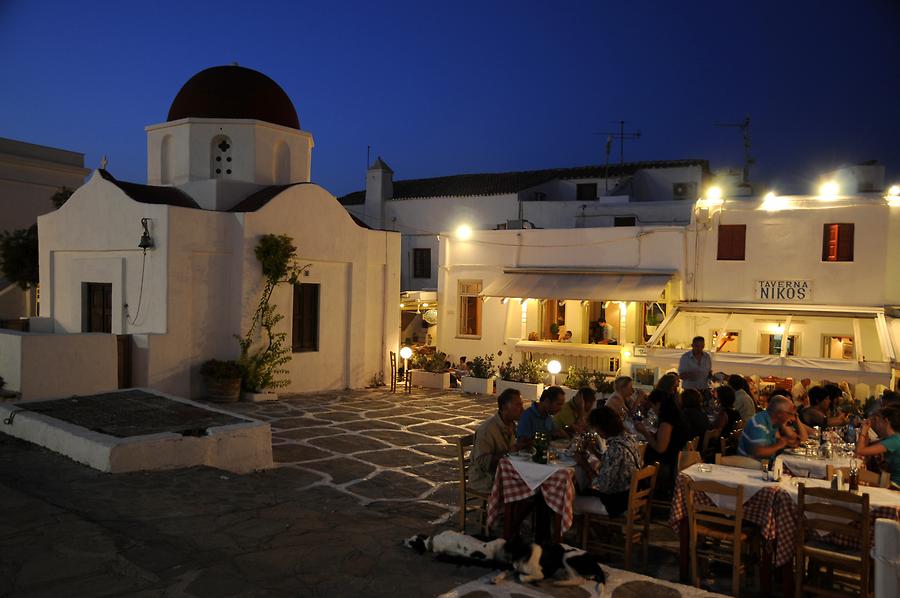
483,367
578,377
218,370
530,371
436,362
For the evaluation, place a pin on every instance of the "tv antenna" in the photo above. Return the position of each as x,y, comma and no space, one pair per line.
744,126
622,136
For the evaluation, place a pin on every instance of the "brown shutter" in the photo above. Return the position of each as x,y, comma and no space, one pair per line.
845,243
732,242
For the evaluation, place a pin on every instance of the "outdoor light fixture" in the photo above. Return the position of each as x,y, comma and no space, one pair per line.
893,196
146,241
773,203
714,196
405,354
829,189
504,300
424,305
402,306
554,367
893,191
464,232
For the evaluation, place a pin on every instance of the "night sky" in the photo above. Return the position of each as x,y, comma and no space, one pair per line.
454,87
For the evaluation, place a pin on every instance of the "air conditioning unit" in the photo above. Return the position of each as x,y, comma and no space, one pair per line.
684,191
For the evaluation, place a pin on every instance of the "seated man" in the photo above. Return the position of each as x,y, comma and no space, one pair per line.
767,434
819,411
539,417
494,438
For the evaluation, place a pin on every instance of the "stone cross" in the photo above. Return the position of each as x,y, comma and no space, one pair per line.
103,162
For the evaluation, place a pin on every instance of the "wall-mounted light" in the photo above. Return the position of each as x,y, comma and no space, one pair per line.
402,305
773,203
829,190
893,196
504,300
464,232
146,241
713,196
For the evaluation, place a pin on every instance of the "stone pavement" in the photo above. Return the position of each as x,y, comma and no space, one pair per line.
357,472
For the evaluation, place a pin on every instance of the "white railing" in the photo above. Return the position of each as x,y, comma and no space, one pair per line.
599,358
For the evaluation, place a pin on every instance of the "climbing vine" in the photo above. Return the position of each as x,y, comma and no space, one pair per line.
263,365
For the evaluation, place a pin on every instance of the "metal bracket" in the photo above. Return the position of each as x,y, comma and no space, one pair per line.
12,415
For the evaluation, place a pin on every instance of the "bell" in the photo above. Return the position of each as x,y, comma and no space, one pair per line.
146,241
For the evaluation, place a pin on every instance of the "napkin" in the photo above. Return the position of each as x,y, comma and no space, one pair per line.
533,474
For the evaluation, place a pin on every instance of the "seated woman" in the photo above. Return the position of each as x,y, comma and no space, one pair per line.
572,418
664,443
697,421
622,458
886,423
728,415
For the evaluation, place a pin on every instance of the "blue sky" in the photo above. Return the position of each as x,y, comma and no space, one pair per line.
447,88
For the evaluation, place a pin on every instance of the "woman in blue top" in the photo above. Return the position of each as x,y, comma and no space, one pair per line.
886,423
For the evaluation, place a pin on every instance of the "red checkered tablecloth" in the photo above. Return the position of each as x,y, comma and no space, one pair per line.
772,509
558,491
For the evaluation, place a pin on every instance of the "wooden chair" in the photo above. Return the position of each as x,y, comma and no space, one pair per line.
691,445
635,527
469,499
710,439
729,443
845,571
714,530
866,477
688,458
738,461
642,450
393,372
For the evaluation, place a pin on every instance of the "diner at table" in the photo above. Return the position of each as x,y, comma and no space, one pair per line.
494,438
820,408
766,434
539,417
572,416
666,440
886,424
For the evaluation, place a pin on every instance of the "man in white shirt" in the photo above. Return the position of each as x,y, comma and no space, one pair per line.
743,402
695,367
800,391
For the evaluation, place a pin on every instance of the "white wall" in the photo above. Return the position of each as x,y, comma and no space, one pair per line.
787,245
42,366
94,238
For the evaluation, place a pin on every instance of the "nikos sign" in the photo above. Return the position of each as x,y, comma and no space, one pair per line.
784,291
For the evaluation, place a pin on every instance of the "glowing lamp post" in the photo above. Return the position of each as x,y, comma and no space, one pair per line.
554,367
405,354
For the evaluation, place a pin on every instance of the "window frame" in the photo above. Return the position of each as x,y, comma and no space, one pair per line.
416,271
298,344
479,312
727,241
841,247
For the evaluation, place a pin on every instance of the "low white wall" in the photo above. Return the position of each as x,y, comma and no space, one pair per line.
42,366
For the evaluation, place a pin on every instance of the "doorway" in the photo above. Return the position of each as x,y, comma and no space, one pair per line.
97,302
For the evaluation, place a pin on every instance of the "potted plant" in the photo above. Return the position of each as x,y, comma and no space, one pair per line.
554,331
481,376
434,372
652,321
603,384
223,380
576,379
527,378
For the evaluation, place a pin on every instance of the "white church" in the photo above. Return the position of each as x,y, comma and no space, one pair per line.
229,165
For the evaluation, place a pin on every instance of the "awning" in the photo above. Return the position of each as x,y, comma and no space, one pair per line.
578,284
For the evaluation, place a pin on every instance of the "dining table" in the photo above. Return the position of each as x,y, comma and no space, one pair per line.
770,505
519,478
815,466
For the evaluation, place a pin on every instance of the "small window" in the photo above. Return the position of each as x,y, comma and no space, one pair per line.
422,262
586,191
837,243
469,308
771,344
624,221
220,157
837,347
305,333
732,241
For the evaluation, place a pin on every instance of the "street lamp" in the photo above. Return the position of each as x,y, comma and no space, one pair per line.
405,354
554,367
464,232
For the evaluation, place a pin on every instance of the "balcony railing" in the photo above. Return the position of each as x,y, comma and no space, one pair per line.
600,358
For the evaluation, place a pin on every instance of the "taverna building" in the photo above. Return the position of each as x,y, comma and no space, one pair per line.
229,165
783,286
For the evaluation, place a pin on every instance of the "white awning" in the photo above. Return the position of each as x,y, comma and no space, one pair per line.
579,284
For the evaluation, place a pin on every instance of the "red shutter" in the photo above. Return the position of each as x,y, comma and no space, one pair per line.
732,242
845,243
837,242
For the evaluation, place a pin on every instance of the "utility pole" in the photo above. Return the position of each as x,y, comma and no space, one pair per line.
744,126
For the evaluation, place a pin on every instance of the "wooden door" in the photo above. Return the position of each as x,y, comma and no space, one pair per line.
98,307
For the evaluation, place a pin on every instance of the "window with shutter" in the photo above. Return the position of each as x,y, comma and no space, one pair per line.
732,242
305,329
422,262
837,242
469,324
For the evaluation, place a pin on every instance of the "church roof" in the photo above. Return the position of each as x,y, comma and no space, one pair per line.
234,92
152,194
380,165
257,200
496,183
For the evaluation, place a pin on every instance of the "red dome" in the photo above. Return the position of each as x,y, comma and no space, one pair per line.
234,92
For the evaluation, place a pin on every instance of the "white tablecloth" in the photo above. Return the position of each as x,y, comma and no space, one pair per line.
815,466
534,474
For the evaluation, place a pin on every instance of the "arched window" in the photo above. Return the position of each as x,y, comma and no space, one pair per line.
282,163
166,160
220,164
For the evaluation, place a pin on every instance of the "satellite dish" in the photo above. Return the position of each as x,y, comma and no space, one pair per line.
430,316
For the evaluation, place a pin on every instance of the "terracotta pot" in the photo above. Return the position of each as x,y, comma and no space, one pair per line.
223,391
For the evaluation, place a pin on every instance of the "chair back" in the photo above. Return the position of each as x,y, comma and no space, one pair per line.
739,426
725,523
710,439
738,461
463,454
844,514
729,444
866,478
393,372
640,494
688,458
642,449
691,445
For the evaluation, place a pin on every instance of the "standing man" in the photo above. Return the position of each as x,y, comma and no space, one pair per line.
494,438
695,368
